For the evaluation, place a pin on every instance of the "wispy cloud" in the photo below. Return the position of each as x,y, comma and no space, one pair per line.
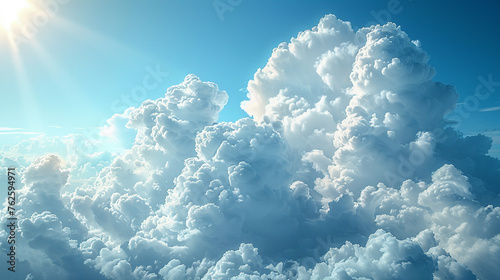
495,134
491,109
9,129
15,130
20,132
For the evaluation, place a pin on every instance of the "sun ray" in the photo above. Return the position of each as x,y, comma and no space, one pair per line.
99,41
10,10
66,84
30,108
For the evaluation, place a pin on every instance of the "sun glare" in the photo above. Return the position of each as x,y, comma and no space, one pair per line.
9,11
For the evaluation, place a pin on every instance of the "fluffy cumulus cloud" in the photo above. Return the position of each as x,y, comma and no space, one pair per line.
345,170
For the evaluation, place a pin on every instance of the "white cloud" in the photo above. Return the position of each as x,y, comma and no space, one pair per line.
18,132
115,135
490,109
346,171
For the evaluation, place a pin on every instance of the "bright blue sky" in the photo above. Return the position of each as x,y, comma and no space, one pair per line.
92,53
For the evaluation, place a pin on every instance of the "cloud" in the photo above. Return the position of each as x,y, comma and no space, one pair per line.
490,109
14,131
383,257
9,128
346,170
115,134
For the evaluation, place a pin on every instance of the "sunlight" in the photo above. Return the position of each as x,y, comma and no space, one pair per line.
9,12
27,105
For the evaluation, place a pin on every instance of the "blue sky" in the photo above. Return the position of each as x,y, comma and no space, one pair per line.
85,63
344,171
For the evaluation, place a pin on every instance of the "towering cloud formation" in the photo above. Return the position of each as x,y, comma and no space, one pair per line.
345,171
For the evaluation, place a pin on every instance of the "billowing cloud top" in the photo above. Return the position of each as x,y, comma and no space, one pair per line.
346,170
